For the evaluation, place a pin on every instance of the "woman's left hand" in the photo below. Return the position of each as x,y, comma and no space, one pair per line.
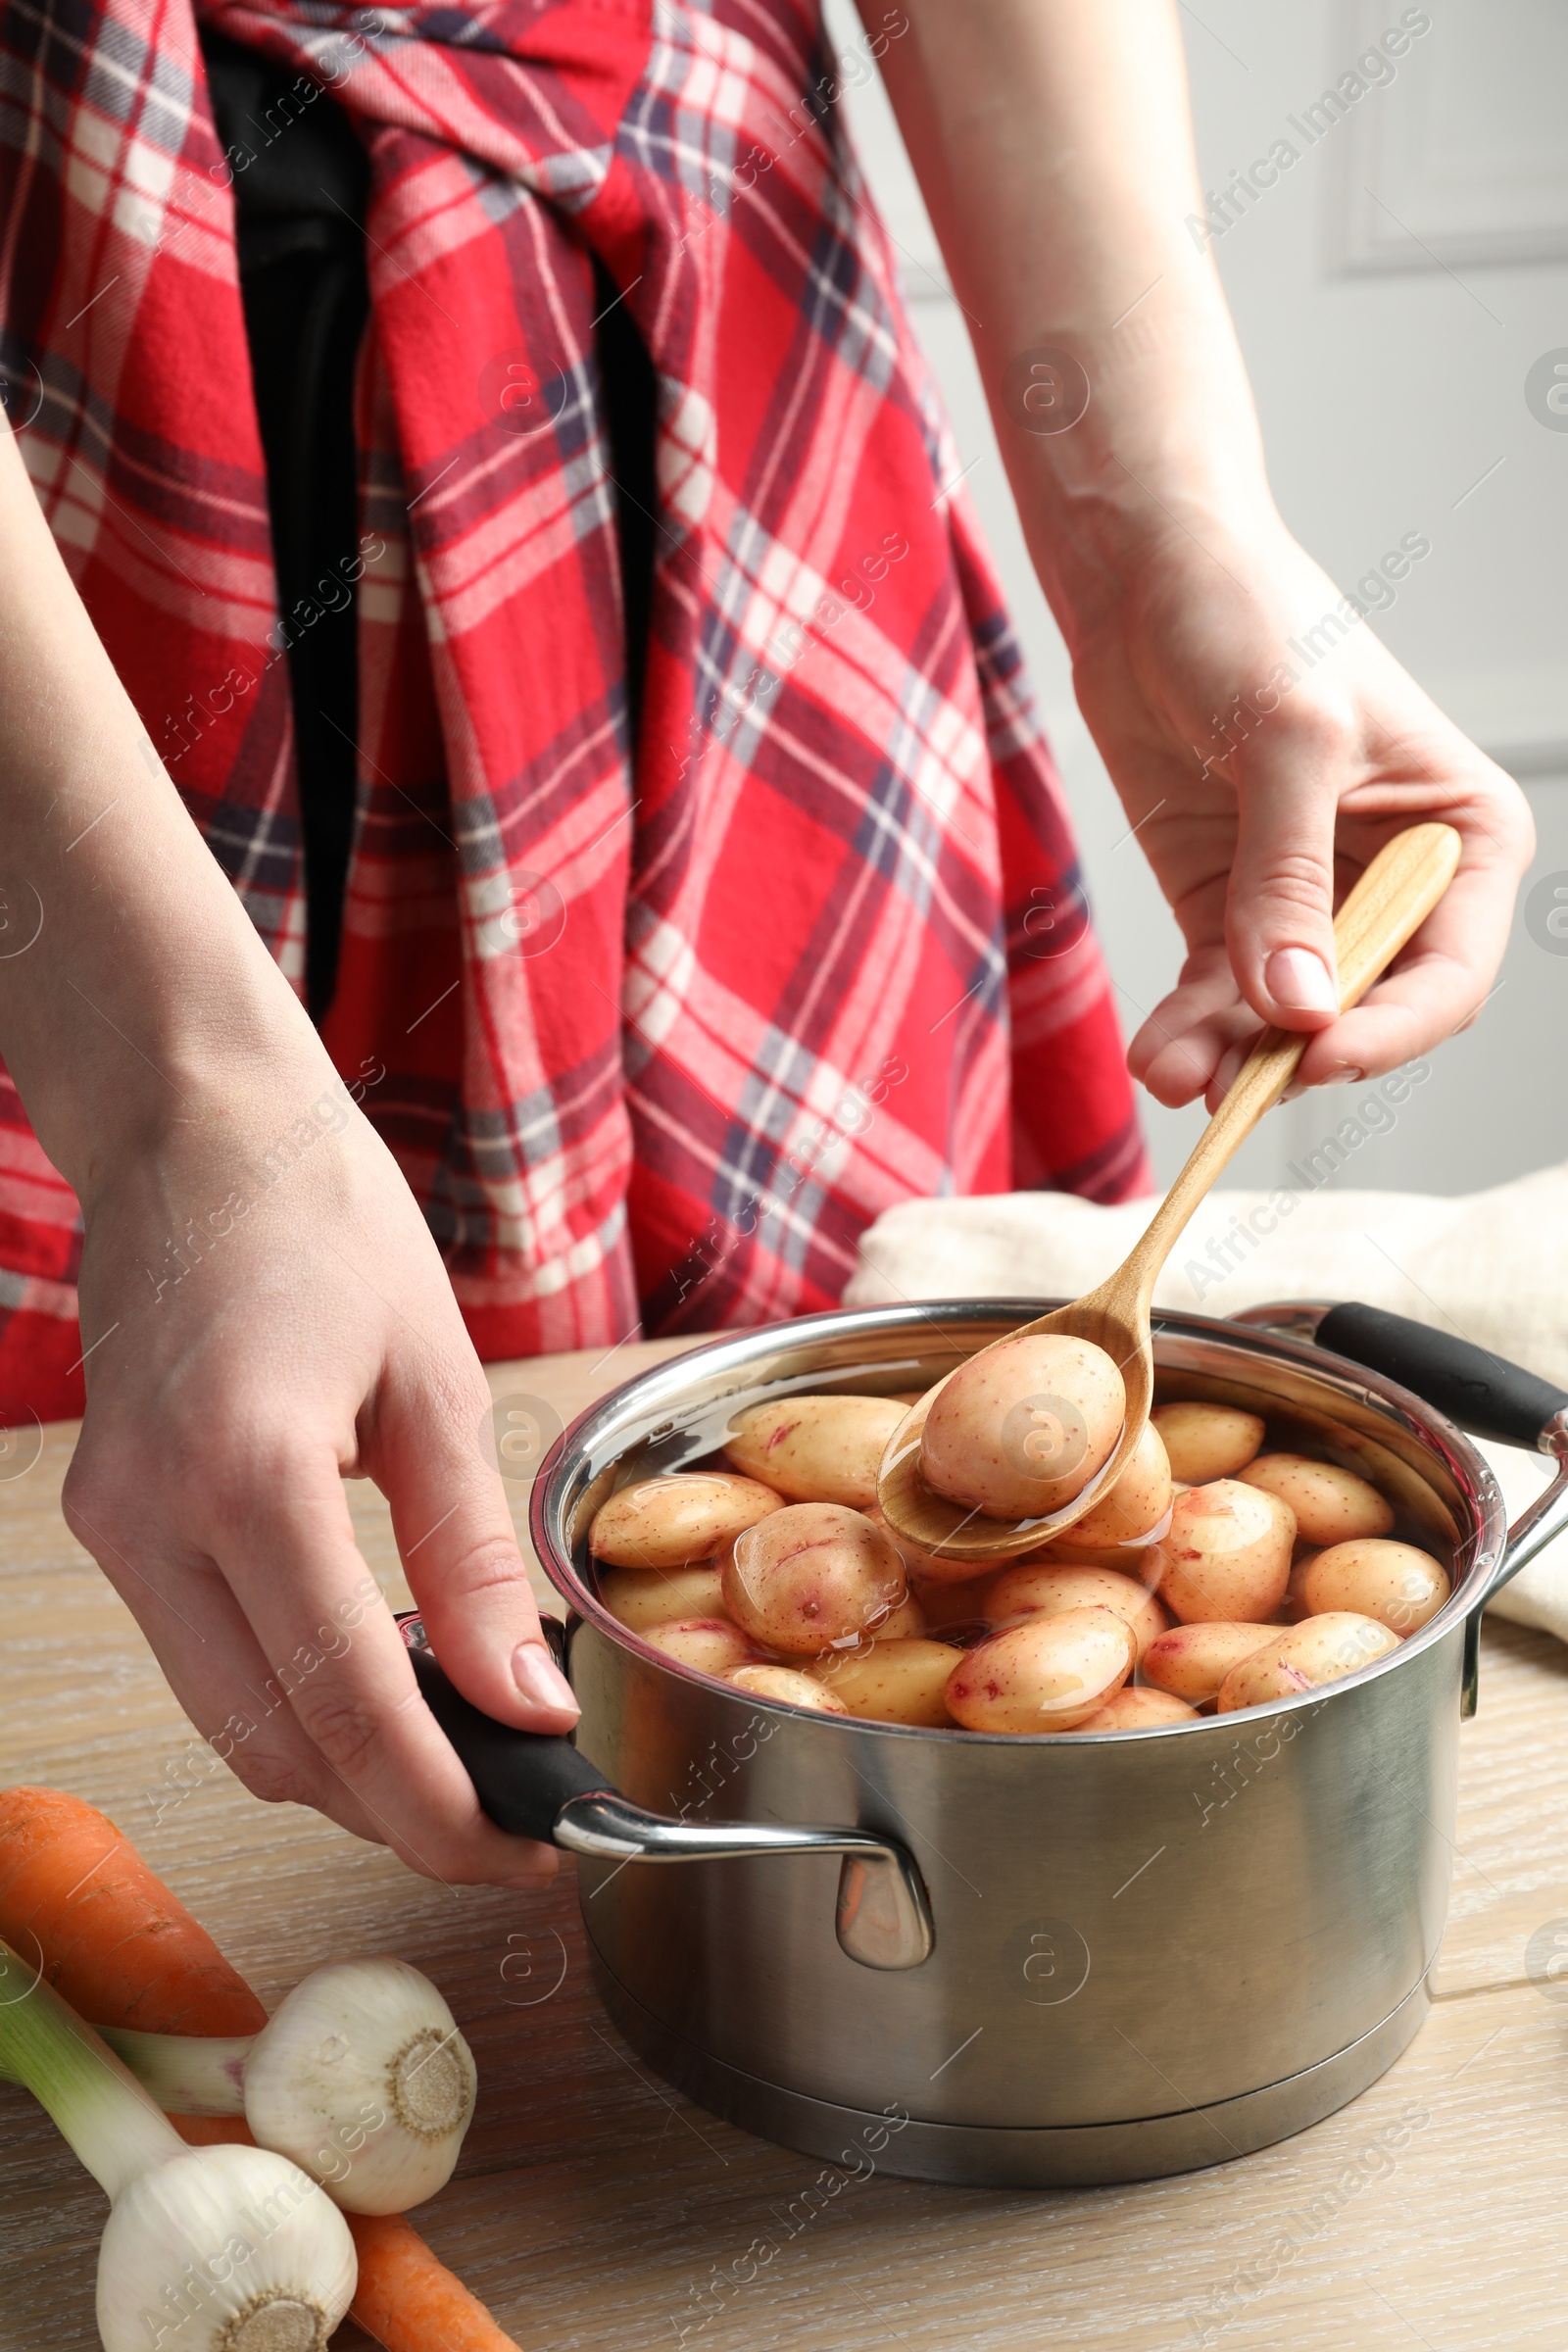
1265,745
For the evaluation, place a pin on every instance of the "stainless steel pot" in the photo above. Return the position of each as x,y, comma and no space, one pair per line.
1026,1962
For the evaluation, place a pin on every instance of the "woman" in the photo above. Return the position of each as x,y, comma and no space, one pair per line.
706,887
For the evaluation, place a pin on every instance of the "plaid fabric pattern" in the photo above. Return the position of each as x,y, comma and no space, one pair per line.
654,1029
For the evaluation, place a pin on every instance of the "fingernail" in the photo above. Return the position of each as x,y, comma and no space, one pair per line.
1230,1062
540,1679
1301,981
1344,1073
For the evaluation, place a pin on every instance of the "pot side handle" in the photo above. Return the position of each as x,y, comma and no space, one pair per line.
524,1779
1486,1395
1480,1390
533,1785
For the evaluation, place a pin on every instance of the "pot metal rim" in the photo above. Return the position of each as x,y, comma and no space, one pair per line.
1442,1438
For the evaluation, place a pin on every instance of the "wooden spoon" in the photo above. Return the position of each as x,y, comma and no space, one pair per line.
1389,904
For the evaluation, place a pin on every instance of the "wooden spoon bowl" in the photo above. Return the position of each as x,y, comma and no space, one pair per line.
1388,905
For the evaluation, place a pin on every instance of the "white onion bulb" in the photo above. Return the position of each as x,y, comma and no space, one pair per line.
363,2079
223,2249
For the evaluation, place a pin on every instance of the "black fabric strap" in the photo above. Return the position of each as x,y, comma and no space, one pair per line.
301,180
300,189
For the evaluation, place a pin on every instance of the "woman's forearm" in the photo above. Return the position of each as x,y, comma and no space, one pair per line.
133,988
1052,144
1262,741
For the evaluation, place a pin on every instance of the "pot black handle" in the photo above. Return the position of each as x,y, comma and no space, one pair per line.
1482,1392
524,1780
537,1787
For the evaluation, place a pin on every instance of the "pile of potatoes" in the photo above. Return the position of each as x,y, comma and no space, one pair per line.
1211,1576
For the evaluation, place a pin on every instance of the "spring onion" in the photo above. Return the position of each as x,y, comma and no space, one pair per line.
223,2249
362,2076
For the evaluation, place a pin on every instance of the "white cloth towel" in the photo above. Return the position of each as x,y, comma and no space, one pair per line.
1491,1266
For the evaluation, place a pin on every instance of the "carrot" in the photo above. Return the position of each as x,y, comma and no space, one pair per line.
125,1951
407,2298
116,1944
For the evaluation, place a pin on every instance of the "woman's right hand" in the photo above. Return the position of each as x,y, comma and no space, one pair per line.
271,1317
174,1079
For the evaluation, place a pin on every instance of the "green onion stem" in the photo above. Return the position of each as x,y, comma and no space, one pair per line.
115,2126
186,2073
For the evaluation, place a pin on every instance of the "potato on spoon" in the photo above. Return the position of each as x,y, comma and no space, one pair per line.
1386,908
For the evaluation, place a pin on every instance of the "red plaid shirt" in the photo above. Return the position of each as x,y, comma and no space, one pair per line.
653,1029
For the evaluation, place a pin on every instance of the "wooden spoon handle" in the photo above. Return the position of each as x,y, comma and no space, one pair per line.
1387,906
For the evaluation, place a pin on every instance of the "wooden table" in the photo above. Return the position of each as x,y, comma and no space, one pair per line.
593,2204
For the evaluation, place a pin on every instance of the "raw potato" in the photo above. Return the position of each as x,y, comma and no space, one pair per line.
812,1576
1137,1503
1398,1585
894,1681
1192,1661
1046,1589
930,1566
1141,1561
1020,1428
1301,1657
790,1683
905,1623
1227,1553
815,1603
1139,1711
1293,1606
1207,1441
816,1448
712,1645
1049,1673
639,1601
1330,1505
669,1522
941,1606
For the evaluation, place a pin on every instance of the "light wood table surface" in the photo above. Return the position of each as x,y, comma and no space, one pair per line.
592,2201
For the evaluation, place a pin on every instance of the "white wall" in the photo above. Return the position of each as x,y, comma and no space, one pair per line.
1392,293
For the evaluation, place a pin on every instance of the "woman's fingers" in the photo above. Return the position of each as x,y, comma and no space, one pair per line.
1279,920
287,1550
1262,783
1436,987
1195,1041
1187,1036
318,1338
218,1671
1440,981
461,1557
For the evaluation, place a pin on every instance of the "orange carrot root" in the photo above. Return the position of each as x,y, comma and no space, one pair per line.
125,1951
406,2299
116,1944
